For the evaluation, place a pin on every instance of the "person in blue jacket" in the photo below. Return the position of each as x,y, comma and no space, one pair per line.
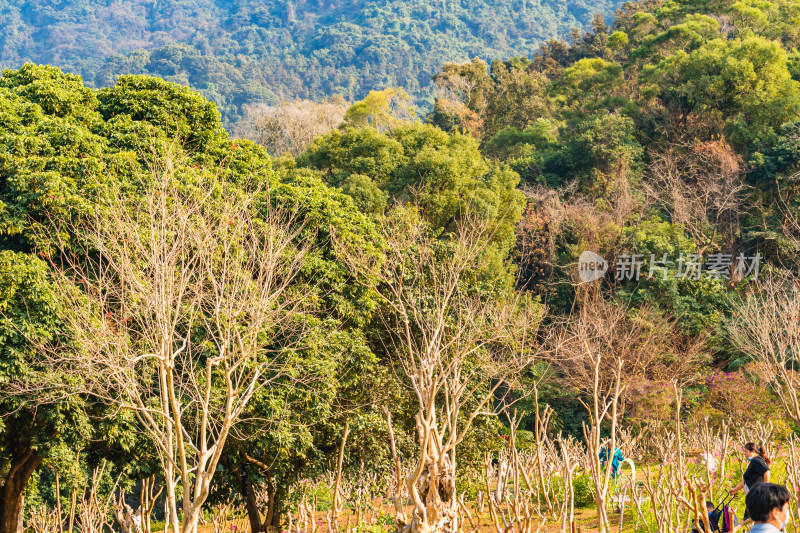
616,458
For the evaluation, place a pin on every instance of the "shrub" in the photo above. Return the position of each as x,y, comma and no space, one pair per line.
584,493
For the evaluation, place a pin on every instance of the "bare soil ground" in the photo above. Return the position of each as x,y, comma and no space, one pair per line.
584,519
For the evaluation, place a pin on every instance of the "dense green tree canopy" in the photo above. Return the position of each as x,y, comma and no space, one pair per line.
63,144
443,174
672,131
243,52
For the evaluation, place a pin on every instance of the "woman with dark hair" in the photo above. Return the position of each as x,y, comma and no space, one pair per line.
757,471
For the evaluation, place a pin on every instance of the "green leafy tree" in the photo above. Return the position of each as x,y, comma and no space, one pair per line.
382,110
590,84
47,153
745,85
604,155
519,96
443,174
28,434
63,146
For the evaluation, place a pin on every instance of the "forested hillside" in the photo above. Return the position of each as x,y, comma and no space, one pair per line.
266,51
594,246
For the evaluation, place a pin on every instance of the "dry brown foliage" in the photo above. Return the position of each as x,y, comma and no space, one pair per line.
290,127
701,186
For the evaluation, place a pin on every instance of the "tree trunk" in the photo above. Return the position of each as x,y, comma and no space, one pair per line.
271,520
190,520
19,521
436,487
248,494
252,506
24,462
277,503
172,518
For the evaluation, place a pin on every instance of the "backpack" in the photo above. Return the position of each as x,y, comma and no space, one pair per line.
729,520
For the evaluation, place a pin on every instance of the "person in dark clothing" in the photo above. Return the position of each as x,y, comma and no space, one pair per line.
757,471
713,516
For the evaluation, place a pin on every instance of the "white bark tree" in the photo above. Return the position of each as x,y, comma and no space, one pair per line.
456,342
182,302
602,349
766,326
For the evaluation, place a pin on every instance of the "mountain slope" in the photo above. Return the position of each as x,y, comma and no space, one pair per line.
249,51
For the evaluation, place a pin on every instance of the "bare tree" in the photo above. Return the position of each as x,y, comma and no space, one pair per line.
765,327
289,128
94,511
456,345
602,349
148,496
181,301
44,520
129,521
791,219
701,185
552,216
